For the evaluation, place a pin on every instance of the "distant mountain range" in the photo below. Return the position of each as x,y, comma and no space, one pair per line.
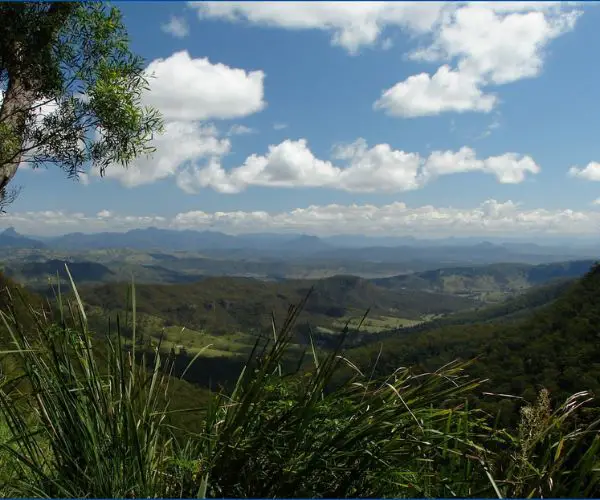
285,247
9,238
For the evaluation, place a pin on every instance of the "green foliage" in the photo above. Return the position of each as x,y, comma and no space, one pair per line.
517,307
556,348
550,456
103,432
16,300
287,438
9,142
227,304
503,277
94,432
88,416
72,61
8,463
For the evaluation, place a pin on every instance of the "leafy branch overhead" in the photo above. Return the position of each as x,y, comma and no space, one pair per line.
72,91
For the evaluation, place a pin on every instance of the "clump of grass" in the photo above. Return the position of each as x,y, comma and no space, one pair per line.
552,454
7,461
80,429
281,435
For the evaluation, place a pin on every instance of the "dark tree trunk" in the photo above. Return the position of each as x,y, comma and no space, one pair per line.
13,117
25,84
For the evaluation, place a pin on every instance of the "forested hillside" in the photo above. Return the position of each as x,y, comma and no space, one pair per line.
491,278
516,307
222,304
556,346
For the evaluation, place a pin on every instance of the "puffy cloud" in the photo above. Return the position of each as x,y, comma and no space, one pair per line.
183,88
490,218
591,172
289,164
379,168
211,175
508,168
499,42
180,144
188,92
177,27
490,44
376,169
423,95
352,24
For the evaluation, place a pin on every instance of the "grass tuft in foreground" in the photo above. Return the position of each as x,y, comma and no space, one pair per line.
83,424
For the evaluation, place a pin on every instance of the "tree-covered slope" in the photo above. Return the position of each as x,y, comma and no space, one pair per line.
226,303
557,347
502,277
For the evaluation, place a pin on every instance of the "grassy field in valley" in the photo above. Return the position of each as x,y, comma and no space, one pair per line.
375,324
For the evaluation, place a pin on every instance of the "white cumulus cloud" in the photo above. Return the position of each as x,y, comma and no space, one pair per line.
359,168
189,92
289,164
184,88
352,25
508,168
180,144
591,172
480,44
425,95
499,42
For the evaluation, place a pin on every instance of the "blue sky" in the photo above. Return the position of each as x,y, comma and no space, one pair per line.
382,118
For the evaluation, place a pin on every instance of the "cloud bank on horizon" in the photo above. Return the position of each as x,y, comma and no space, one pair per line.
491,217
235,132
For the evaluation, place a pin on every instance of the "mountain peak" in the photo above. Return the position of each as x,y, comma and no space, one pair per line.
307,237
10,238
